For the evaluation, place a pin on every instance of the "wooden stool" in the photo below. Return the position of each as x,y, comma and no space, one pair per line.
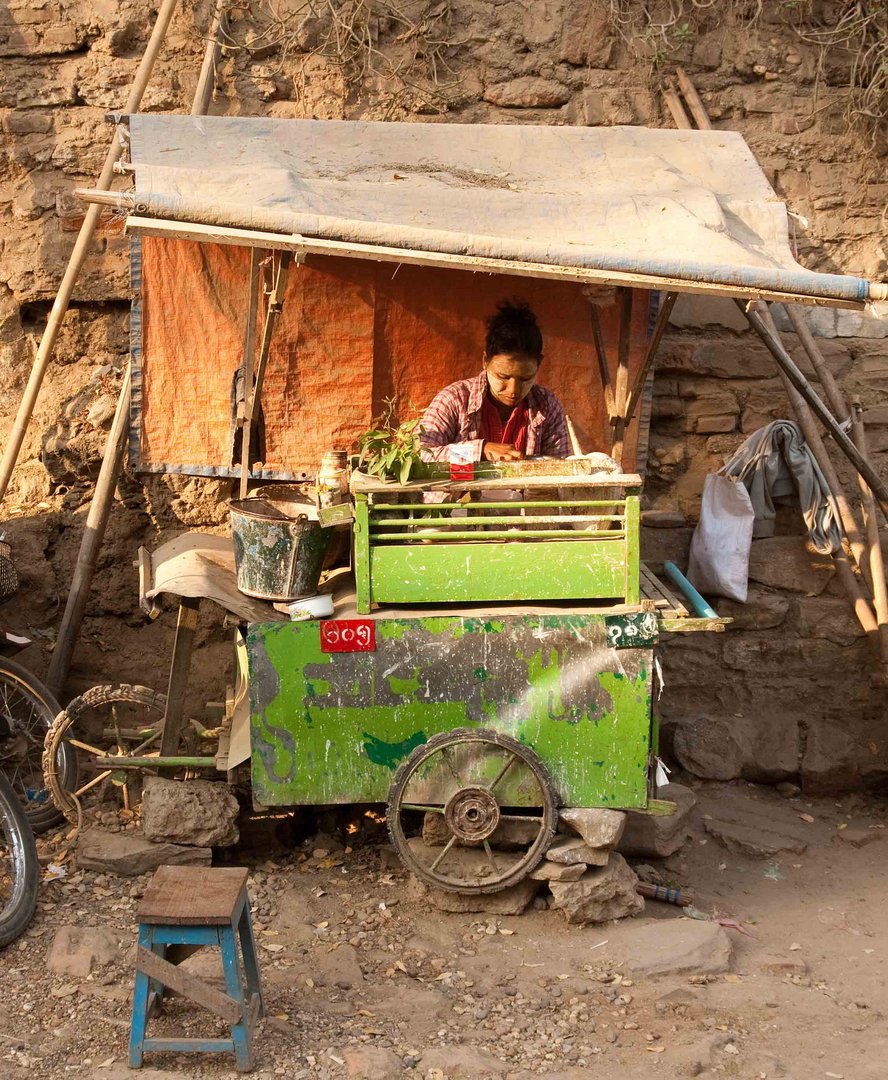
195,906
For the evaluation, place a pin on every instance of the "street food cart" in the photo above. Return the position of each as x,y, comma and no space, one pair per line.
490,656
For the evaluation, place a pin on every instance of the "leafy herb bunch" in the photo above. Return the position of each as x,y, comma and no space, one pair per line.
392,452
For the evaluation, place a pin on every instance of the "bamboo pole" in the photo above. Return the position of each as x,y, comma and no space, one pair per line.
203,95
831,388
91,542
112,459
870,520
788,366
78,256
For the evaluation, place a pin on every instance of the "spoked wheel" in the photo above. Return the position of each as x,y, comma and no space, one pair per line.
105,722
483,791
19,867
27,710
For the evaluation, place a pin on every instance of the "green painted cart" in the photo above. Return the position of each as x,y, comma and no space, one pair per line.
473,720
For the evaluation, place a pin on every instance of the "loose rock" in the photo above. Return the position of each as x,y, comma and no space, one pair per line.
571,850
76,950
199,812
601,894
130,854
551,871
659,835
600,828
758,829
676,946
372,1063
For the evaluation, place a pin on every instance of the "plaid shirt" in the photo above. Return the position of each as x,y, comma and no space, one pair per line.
454,419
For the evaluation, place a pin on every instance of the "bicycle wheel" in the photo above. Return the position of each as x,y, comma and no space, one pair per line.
27,710
19,868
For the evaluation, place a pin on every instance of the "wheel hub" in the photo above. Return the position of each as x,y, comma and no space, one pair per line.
472,814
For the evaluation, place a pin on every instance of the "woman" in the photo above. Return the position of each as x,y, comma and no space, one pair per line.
501,414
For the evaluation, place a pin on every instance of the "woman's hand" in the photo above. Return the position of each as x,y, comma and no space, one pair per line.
493,451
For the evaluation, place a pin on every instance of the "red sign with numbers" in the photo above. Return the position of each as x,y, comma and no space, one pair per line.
462,471
348,635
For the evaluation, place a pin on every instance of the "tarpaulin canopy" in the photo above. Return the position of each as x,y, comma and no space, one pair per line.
666,207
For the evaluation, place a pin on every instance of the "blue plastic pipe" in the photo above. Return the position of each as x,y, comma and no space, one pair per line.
690,594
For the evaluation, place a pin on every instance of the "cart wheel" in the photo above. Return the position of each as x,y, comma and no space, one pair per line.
106,721
486,787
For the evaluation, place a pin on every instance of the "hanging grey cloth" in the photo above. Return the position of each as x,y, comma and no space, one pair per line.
771,463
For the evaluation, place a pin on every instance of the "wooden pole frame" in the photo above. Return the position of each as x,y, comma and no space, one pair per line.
115,447
78,256
787,365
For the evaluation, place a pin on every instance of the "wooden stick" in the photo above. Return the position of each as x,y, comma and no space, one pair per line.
575,447
695,102
115,447
803,414
843,503
78,256
603,366
275,306
248,367
621,388
828,381
206,82
675,107
870,520
787,365
654,344
91,543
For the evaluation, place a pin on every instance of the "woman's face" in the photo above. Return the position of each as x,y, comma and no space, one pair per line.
510,376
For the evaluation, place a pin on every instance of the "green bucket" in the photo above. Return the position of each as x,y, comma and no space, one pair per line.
278,548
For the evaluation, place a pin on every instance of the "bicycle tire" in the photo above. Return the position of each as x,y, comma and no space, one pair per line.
21,690
18,865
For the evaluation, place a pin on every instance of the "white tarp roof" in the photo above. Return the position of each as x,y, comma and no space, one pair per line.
662,204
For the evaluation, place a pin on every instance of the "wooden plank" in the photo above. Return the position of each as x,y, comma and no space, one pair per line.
691,626
183,982
218,234
621,383
663,590
247,364
603,367
192,895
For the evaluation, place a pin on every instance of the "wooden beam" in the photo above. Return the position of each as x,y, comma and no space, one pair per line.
603,366
871,525
222,234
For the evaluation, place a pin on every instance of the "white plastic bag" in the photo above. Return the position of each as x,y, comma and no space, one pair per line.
719,562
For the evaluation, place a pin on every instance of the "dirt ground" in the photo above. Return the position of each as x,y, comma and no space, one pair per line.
361,981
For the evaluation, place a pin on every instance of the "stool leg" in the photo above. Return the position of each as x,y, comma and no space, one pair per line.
241,1032
140,1004
251,962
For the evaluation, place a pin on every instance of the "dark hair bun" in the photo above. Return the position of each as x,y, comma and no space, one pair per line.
514,329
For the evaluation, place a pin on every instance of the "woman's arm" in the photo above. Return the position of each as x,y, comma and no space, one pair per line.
441,425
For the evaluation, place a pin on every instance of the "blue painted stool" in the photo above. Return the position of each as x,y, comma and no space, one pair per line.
193,906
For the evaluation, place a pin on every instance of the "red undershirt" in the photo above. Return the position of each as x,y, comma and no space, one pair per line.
513,432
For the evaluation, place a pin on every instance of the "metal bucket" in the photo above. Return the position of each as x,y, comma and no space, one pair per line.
278,548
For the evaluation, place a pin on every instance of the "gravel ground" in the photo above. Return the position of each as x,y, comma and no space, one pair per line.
361,980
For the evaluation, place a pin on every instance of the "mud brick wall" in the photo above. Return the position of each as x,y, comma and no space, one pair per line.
787,692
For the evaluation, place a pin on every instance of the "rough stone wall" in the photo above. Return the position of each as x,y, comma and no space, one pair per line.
787,691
